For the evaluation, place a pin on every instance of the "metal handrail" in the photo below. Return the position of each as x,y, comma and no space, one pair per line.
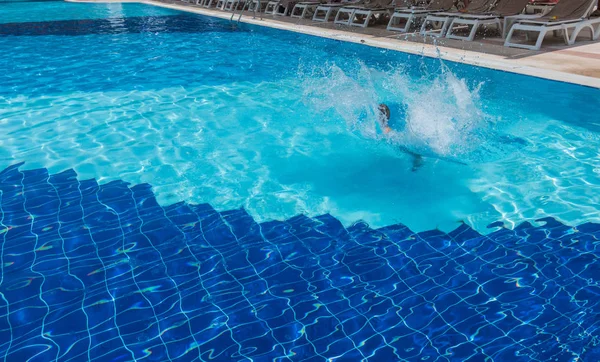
247,3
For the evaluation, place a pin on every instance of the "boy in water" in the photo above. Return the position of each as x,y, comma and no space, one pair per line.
384,120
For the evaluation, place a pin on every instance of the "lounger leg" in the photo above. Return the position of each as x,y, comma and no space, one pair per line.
337,16
594,32
450,29
295,10
330,14
315,15
541,34
499,27
473,24
367,19
507,26
540,38
271,7
396,20
565,32
433,33
352,19
445,27
409,24
344,22
327,11
473,31
355,19
508,37
423,27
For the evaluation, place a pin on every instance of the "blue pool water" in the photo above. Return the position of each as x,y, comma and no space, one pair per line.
267,125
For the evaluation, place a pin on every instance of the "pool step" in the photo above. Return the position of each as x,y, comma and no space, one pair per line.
104,272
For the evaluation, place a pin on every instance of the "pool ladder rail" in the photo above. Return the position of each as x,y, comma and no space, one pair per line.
247,4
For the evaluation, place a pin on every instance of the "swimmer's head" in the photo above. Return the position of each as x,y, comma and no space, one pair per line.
385,111
384,117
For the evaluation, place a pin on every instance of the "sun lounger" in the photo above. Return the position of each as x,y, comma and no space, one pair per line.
566,15
271,7
283,7
325,12
229,5
445,18
472,22
536,13
403,19
305,9
362,15
207,3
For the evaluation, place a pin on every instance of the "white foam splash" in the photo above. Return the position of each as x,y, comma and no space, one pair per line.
440,117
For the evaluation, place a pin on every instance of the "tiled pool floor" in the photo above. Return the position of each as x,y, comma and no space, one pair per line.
103,272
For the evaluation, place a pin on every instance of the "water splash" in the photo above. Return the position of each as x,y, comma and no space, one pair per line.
440,116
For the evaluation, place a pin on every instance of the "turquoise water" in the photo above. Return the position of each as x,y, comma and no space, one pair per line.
22,11
282,124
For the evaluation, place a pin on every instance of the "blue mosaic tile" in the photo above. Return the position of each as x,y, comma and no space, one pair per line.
105,273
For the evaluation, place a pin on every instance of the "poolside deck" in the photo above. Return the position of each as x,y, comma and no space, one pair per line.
579,64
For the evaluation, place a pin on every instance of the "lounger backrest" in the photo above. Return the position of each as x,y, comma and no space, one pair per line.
404,3
571,10
440,5
510,7
480,6
379,3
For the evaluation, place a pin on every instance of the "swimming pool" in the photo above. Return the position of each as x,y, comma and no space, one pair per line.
283,124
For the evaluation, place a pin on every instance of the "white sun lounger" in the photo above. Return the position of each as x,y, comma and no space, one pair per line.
305,9
403,19
472,23
445,18
271,7
284,7
207,3
510,20
575,15
344,15
323,13
230,5
360,16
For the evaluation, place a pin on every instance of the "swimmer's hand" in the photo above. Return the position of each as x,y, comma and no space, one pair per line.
386,129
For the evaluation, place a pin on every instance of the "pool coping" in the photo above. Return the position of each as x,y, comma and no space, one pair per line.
469,57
